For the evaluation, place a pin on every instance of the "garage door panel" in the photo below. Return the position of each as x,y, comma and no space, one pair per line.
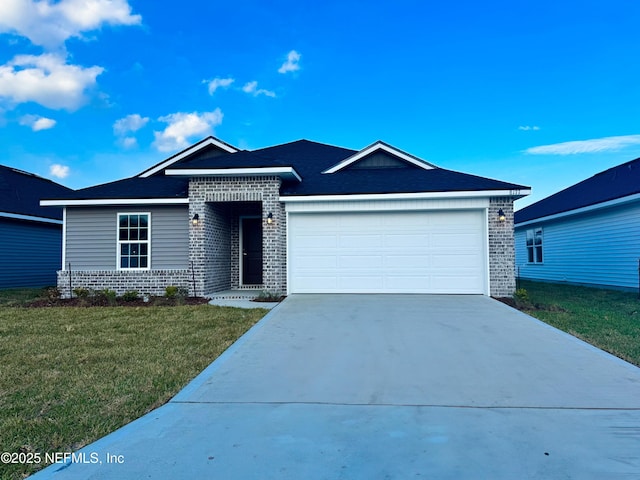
413,252
362,262
407,240
405,262
359,241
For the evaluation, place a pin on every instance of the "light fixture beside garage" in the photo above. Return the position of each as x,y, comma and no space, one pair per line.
501,216
270,218
195,220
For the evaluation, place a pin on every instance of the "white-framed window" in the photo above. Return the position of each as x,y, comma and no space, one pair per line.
134,241
534,245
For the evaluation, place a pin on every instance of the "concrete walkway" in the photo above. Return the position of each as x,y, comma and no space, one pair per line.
389,386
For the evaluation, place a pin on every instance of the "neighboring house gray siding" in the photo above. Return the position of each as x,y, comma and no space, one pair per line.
91,237
32,253
599,248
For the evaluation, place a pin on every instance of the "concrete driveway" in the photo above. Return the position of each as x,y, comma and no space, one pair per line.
389,386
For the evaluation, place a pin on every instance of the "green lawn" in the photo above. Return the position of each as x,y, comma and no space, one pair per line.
68,376
608,319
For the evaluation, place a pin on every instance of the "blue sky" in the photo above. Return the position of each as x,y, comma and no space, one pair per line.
542,93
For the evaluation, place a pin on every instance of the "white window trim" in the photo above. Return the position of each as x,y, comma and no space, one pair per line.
119,242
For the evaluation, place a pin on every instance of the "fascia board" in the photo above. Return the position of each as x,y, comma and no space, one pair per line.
186,153
114,201
577,211
288,172
404,196
380,146
30,218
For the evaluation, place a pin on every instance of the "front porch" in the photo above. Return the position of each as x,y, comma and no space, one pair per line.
238,241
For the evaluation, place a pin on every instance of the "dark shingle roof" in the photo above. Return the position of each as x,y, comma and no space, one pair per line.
305,156
616,182
20,193
134,187
310,159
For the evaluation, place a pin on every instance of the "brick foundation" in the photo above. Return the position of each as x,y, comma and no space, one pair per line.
145,282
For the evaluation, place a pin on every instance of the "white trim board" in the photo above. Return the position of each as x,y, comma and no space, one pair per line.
576,211
30,218
114,201
189,151
405,196
287,172
379,145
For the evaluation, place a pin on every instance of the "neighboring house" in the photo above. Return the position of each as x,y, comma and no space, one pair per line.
587,234
293,218
30,235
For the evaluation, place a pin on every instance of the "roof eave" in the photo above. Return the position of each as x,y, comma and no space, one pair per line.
87,202
30,218
287,173
515,194
577,211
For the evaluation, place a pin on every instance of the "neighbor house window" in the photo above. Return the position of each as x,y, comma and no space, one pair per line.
133,240
534,245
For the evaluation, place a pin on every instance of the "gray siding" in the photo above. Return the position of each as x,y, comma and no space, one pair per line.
32,253
92,237
600,248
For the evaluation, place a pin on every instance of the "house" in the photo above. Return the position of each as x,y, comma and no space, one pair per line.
586,234
31,235
292,218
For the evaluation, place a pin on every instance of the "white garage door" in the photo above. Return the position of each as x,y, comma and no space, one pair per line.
387,252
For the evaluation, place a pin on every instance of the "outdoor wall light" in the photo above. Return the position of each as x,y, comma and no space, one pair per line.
195,219
501,216
270,218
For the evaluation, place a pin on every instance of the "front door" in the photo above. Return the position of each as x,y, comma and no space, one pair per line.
251,238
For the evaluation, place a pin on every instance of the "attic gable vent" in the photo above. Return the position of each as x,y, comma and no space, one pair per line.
380,155
378,160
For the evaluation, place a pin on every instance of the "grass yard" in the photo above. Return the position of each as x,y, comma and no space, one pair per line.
70,375
608,319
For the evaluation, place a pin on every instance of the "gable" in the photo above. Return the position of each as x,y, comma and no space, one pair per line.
378,160
210,146
379,148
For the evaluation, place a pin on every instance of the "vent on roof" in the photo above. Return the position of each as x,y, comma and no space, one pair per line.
379,160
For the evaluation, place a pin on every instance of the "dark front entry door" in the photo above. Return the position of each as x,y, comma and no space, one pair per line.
251,251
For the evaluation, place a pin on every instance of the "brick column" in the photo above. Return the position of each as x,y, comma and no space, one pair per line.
501,248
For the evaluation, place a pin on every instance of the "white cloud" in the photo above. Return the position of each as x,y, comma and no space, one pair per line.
182,126
526,128
586,146
37,123
59,171
130,123
292,63
219,83
48,80
50,24
252,88
129,142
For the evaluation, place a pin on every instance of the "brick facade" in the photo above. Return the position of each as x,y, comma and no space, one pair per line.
502,257
214,242
145,282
